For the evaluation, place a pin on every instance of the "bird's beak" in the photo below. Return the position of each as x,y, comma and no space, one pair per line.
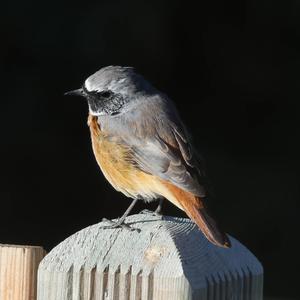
78,92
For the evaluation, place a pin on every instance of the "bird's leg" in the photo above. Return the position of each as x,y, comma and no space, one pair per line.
157,211
120,221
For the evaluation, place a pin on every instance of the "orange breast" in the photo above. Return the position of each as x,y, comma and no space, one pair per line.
113,159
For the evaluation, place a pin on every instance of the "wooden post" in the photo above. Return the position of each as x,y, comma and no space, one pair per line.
18,271
169,259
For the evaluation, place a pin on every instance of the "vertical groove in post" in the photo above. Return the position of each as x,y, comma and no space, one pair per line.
69,283
246,285
125,284
105,283
150,285
139,282
251,295
92,282
115,282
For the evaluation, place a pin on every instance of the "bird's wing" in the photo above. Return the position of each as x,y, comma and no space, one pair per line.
166,151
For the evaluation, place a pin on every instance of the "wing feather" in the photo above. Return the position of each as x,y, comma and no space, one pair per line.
158,144
169,155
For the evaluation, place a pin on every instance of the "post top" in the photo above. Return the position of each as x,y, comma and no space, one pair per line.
166,246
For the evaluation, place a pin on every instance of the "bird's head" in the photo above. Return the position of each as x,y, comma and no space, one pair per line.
112,90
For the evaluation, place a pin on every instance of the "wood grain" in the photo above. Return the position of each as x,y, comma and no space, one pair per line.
18,271
169,259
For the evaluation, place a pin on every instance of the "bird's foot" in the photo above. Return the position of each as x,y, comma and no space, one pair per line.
157,212
146,211
150,212
118,224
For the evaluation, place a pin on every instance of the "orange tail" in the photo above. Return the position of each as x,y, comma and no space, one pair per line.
194,208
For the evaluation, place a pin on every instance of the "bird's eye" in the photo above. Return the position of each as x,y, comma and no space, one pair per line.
105,94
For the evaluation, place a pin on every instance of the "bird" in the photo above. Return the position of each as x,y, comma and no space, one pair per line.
143,147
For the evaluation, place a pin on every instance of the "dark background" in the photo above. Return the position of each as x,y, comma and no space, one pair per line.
232,67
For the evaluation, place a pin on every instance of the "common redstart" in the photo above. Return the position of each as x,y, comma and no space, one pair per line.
143,147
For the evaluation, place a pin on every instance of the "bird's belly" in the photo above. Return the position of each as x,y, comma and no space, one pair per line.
123,175
114,161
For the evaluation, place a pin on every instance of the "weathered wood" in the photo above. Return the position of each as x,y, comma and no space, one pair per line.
18,271
169,259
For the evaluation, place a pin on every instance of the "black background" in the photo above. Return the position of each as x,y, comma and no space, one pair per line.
232,67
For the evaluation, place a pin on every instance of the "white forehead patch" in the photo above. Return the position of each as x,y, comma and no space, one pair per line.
90,85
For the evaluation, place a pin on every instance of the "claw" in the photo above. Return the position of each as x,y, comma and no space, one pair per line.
120,223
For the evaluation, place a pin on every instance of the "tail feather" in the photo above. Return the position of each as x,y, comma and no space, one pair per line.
206,224
195,209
